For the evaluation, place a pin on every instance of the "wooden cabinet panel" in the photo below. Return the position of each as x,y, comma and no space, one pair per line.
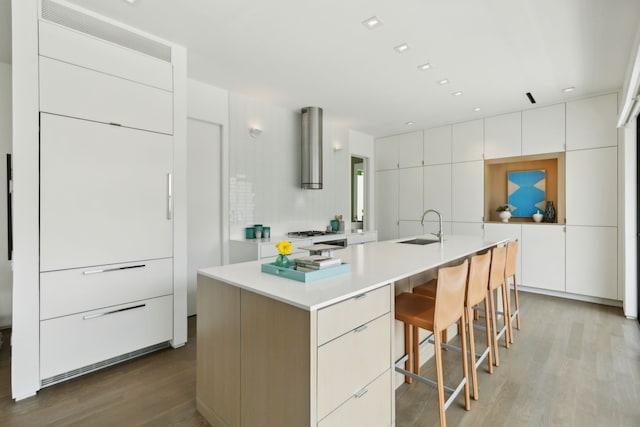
73,291
591,122
437,145
467,141
343,371
437,190
467,191
103,194
592,261
345,316
74,47
387,204
79,340
503,136
592,187
74,91
410,146
410,183
371,406
543,256
543,130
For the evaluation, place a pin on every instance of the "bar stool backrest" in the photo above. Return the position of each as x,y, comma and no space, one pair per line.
478,279
449,307
512,257
498,260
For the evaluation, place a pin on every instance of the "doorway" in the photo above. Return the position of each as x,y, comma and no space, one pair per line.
204,192
358,180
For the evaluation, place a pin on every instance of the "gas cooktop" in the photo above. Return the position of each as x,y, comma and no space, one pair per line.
310,233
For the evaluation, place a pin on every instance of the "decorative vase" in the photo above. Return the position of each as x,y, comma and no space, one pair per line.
282,261
550,212
537,217
505,215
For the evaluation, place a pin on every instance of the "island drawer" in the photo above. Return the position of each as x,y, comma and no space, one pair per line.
342,368
345,316
369,406
82,289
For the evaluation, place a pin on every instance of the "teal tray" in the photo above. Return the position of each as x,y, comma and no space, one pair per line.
305,276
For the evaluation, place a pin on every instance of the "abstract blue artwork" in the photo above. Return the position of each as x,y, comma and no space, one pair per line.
526,192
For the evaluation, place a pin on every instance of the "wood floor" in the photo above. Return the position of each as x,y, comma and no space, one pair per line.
573,364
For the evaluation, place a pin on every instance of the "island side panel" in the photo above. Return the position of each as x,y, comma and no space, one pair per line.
275,363
218,352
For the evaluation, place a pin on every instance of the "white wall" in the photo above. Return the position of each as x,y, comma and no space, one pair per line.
5,147
265,171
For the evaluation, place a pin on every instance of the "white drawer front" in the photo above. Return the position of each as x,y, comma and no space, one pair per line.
72,342
74,291
370,407
74,91
339,318
349,363
77,48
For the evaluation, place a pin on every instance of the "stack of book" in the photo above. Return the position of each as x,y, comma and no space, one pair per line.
316,262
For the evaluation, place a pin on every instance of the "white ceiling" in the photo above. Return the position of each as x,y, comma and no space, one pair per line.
296,53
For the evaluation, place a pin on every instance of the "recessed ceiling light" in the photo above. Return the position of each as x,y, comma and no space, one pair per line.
402,48
568,89
443,81
373,22
475,110
424,66
131,1
458,93
409,123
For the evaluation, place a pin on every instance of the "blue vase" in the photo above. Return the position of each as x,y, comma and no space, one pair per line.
282,261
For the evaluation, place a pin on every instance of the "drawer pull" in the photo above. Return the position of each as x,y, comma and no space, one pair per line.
169,196
114,124
361,296
108,270
106,313
360,328
360,393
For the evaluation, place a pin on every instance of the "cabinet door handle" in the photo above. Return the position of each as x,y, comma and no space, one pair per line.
106,313
108,270
361,296
360,393
169,196
360,328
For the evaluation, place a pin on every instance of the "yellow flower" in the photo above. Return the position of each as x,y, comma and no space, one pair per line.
284,247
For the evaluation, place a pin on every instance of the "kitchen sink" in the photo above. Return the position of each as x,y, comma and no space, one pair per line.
419,241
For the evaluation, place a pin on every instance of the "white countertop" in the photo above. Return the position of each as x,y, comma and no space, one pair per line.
372,265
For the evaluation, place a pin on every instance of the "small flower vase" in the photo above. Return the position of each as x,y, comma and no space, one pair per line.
282,261
505,215
550,212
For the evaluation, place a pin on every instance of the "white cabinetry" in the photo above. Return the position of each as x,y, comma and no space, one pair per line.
387,204
437,145
437,189
503,136
410,146
467,191
543,252
410,182
495,232
386,153
409,228
591,122
592,266
543,130
592,187
467,141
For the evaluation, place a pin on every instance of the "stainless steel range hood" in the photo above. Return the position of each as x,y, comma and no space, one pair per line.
312,148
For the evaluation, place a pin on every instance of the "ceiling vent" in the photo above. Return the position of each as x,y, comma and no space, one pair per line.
312,148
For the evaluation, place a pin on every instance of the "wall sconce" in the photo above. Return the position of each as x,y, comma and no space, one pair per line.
255,132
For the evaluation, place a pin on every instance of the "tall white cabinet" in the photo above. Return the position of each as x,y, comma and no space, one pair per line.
111,283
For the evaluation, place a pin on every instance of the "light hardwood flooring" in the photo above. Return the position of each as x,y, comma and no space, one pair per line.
572,364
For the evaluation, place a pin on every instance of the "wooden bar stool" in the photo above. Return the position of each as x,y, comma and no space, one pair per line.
435,315
496,281
510,272
476,293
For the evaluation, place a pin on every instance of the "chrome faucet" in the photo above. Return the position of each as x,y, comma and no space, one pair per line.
439,235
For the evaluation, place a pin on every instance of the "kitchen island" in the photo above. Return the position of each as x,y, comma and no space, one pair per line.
277,352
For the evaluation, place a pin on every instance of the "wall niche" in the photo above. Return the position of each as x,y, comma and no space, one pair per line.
496,190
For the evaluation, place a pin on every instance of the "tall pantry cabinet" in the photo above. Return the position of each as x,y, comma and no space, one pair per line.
110,273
